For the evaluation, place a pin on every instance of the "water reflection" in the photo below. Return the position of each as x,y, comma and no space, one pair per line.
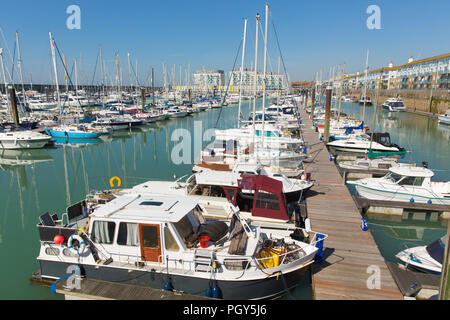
395,233
420,135
76,142
13,158
444,130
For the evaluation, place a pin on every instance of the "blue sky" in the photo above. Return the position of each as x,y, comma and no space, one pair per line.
313,35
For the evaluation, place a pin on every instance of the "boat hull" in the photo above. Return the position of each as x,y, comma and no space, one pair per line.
73,135
396,195
23,144
444,120
264,288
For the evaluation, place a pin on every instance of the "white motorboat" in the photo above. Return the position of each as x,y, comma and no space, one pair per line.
347,99
444,118
411,184
22,139
230,151
164,242
175,112
377,164
425,258
361,144
365,100
245,194
274,137
39,105
115,123
394,105
293,189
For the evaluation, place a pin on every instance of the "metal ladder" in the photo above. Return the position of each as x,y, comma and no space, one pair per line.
203,260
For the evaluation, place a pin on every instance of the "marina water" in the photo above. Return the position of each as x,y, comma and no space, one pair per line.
56,177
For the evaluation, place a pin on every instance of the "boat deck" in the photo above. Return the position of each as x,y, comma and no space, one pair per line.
350,255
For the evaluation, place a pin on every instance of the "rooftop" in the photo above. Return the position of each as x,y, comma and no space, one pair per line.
413,171
145,208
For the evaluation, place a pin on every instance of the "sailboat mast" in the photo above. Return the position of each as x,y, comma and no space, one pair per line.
365,85
52,46
340,92
375,112
118,78
264,75
76,77
4,79
129,73
255,79
19,63
242,74
103,73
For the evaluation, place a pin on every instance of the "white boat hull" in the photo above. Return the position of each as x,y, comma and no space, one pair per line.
400,194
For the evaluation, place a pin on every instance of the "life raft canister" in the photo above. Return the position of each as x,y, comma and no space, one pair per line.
81,245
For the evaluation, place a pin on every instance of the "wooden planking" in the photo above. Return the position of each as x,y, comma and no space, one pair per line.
349,252
91,289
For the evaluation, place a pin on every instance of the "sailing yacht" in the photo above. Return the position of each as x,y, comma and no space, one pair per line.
74,131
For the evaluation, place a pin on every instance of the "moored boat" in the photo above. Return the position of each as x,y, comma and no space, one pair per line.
165,242
424,258
411,184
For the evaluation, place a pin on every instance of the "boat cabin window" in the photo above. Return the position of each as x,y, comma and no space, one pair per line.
244,201
128,234
210,191
411,181
267,201
169,240
393,177
103,232
150,236
405,180
198,215
186,230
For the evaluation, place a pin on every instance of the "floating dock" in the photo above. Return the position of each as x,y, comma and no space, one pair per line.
398,207
414,284
352,263
90,289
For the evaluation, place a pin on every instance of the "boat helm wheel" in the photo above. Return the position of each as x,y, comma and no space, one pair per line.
79,247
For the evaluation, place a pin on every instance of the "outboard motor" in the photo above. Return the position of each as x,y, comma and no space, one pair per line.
424,164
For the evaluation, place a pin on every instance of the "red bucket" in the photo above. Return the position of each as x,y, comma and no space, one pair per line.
204,241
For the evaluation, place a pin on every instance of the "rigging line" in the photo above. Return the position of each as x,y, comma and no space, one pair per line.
228,85
135,75
268,54
9,52
13,63
67,73
279,49
95,68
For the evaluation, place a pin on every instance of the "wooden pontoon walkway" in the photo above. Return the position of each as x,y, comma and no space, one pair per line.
351,256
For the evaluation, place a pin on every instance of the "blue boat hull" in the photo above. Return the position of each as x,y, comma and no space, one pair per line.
73,135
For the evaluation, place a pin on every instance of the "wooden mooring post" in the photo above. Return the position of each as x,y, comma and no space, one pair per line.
13,100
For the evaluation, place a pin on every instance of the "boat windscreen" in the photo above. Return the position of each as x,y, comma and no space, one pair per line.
436,250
